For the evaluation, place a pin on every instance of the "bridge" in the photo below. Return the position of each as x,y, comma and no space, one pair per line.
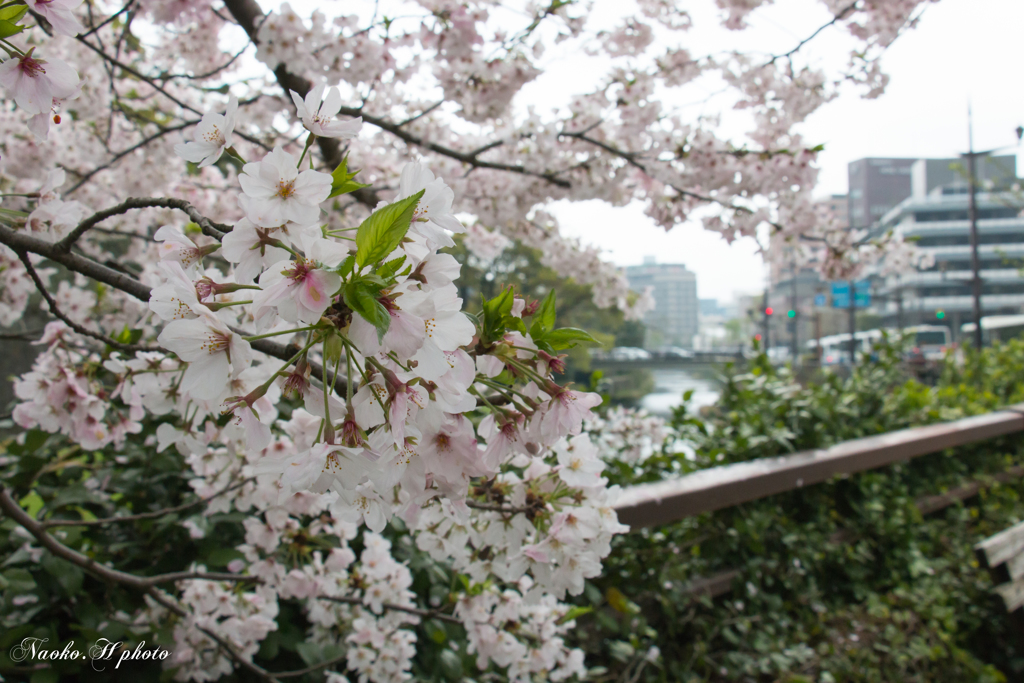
699,358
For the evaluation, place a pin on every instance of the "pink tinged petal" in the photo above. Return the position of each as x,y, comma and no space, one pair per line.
207,377
257,434
332,104
317,289
40,125
300,106
255,185
63,80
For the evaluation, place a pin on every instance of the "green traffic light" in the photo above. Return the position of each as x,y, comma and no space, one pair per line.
940,315
792,314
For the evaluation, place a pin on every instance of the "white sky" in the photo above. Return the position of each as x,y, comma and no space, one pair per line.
962,50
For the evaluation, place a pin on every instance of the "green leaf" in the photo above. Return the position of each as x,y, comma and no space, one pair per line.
498,315
341,180
544,318
32,503
388,270
129,336
13,14
345,267
67,575
575,613
8,29
362,298
566,337
383,231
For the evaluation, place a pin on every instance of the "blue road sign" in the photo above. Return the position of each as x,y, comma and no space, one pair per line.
819,300
861,294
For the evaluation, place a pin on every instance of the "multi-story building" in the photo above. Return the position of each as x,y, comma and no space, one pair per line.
942,293
878,185
673,321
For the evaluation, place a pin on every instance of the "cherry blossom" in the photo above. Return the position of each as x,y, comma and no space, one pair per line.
212,136
34,83
319,116
276,192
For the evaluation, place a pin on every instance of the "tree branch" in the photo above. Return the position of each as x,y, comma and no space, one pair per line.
144,203
84,331
120,155
837,18
248,14
36,528
19,241
424,613
142,515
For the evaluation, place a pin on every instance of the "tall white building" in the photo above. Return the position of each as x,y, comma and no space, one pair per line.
936,219
673,321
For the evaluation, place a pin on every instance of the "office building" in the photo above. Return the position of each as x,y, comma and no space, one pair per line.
936,218
673,321
877,185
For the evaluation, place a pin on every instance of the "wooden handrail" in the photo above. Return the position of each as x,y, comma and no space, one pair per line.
721,487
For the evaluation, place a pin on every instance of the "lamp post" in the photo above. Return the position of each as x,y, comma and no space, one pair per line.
972,216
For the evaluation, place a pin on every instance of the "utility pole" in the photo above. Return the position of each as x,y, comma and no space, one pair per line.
817,336
853,323
899,304
972,214
795,320
766,319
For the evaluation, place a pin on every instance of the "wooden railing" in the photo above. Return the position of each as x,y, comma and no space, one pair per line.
721,487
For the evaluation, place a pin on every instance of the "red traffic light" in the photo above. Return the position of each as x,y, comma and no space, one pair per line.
769,310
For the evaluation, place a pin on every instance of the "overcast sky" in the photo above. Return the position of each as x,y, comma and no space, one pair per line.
962,49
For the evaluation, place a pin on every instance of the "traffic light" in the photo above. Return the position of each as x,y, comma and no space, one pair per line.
940,314
791,313
769,310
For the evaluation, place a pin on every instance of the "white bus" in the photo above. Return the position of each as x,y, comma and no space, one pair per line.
835,348
995,328
929,341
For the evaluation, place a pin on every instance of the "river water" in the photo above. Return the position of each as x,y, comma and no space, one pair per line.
670,385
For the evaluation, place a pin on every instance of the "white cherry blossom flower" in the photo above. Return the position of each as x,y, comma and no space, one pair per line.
319,117
212,136
300,293
35,83
214,353
276,192
243,247
580,465
59,14
173,245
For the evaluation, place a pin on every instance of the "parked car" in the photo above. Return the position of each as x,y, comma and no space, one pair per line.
674,352
628,353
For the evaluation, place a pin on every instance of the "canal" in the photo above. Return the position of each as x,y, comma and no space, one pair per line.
670,383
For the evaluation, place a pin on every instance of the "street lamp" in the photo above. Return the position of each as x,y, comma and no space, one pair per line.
972,214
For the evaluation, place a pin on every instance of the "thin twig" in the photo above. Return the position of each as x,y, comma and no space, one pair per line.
57,313
120,155
837,18
20,241
142,515
424,613
143,203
